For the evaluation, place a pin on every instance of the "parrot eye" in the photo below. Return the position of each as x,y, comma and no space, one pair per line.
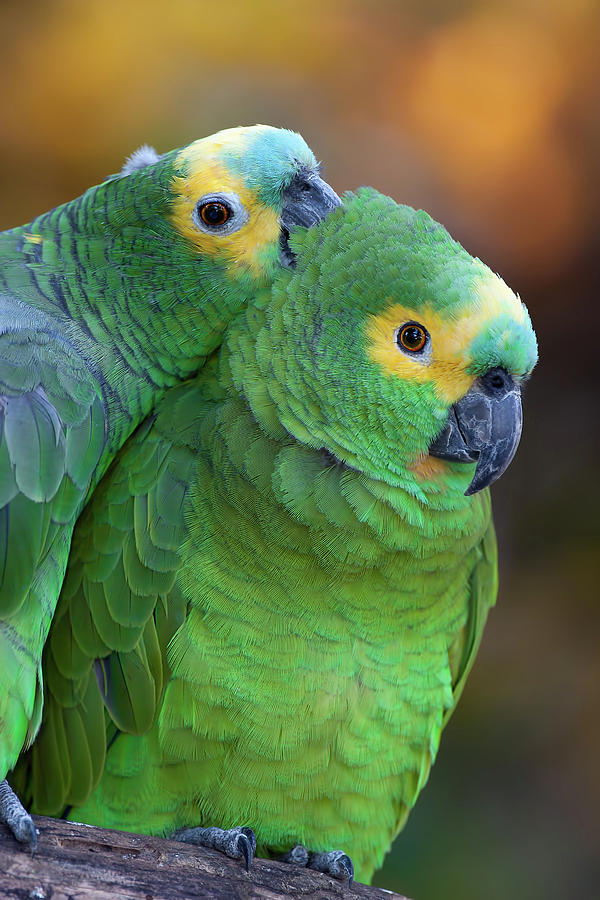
214,214
219,213
412,337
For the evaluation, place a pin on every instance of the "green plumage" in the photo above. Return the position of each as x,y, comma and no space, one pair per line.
105,302
277,603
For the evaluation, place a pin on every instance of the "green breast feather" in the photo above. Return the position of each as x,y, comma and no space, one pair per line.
278,589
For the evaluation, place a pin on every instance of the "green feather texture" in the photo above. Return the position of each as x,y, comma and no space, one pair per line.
275,594
105,303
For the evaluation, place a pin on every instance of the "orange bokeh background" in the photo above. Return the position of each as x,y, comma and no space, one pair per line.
486,114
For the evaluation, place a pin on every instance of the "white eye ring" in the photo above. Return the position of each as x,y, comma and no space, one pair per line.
237,218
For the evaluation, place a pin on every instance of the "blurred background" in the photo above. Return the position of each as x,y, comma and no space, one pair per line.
487,115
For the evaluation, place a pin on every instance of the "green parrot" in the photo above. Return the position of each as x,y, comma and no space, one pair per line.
105,302
278,589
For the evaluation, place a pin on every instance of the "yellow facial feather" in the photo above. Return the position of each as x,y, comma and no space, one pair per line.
208,174
450,334
495,298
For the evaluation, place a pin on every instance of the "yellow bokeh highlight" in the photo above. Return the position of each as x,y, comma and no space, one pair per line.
490,107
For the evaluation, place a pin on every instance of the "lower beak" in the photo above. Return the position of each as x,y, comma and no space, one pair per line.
484,427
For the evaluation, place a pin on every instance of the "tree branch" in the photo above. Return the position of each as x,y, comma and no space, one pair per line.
81,862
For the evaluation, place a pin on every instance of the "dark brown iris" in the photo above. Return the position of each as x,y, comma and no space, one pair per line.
214,214
412,337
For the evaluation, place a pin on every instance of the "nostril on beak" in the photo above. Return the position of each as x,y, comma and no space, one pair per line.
497,382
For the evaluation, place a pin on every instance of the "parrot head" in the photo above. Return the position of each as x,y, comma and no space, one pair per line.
393,350
234,196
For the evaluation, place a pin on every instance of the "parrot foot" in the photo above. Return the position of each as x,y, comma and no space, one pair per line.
13,814
335,862
233,842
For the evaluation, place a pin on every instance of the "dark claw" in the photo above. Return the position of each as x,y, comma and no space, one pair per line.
246,844
348,867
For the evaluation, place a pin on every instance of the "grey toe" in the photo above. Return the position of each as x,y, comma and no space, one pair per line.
237,843
298,856
14,814
335,862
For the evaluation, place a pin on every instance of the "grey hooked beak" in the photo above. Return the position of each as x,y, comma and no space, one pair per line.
483,427
306,201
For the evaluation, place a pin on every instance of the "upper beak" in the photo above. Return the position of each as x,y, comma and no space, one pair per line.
306,201
483,427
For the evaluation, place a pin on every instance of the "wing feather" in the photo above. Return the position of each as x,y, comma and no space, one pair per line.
106,654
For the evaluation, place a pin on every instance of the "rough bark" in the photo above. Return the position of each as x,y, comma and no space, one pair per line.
74,862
